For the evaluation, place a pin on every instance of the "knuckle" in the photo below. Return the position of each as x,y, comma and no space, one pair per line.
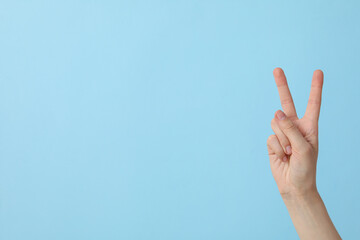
270,140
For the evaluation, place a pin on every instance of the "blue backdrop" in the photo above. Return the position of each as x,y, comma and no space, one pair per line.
149,119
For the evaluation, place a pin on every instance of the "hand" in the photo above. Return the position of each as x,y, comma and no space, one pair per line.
293,150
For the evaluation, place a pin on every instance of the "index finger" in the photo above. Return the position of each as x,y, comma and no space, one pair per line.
286,100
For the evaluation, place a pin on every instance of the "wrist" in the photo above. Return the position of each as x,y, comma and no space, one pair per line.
310,196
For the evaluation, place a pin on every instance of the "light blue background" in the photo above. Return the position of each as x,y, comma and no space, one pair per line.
149,119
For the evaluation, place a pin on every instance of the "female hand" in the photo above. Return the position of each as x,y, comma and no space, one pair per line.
293,150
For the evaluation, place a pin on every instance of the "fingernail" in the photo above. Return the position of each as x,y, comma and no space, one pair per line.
288,150
280,115
285,158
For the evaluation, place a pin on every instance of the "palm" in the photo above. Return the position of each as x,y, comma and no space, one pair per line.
296,171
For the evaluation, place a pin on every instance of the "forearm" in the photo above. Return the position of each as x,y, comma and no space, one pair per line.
310,217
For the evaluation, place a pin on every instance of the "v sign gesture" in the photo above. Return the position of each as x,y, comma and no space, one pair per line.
293,149
293,152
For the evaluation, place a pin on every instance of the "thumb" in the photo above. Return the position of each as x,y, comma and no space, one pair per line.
295,137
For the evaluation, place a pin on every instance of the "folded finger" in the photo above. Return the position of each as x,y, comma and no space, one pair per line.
283,139
275,146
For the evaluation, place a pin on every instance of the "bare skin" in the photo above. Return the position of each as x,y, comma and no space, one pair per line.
293,152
